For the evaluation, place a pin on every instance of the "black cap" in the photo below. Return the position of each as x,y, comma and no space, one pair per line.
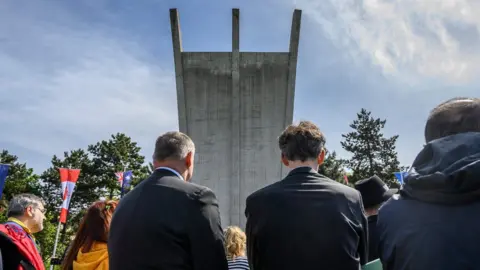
374,191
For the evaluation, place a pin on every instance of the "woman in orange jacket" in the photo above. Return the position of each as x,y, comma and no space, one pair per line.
89,249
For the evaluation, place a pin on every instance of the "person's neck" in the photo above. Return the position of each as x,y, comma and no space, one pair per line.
241,254
299,164
173,166
371,212
25,221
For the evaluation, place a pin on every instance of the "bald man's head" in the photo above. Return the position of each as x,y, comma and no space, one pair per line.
457,115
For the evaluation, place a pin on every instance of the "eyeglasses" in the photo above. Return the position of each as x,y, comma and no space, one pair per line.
42,210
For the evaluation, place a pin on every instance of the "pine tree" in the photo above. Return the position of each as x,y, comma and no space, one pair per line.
118,154
84,194
372,153
333,167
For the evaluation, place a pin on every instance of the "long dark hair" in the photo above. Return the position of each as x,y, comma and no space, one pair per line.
94,227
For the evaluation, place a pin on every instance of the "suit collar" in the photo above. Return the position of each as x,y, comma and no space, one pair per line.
170,170
302,170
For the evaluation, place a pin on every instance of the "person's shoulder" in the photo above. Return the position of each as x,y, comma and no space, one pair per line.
263,192
5,234
340,189
392,204
12,231
163,179
199,190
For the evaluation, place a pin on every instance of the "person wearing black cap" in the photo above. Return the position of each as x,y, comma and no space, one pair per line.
374,193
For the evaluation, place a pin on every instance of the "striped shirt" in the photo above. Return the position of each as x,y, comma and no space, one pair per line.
238,263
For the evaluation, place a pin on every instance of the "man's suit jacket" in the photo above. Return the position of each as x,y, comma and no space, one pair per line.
167,223
306,221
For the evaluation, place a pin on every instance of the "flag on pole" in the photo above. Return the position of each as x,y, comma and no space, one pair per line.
400,176
127,180
68,178
119,176
3,176
345,178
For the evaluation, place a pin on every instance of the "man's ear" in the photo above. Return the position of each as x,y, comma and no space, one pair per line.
321,157
285,160
189,160
29,211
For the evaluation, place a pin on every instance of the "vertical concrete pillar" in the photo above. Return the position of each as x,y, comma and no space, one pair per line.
177,56
235,204
234,105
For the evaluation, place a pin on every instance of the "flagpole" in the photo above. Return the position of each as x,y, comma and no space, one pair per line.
55,244
57,236
68,180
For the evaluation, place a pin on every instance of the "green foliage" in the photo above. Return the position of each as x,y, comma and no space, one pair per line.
85,190
372,153
333,167
116,155
97,180
46,238
20,179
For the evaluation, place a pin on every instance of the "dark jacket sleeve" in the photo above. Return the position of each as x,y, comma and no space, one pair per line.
206,234
249,231
363,245
385,250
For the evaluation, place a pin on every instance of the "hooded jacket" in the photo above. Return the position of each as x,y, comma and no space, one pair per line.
95,259
434,223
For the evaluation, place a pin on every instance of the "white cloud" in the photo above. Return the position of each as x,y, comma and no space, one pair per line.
437,39
64,85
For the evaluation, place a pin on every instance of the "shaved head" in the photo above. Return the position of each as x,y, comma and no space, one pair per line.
454,116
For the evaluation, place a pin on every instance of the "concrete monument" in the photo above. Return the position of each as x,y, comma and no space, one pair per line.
234,105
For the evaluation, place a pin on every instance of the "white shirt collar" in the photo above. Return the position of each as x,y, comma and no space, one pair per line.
172,170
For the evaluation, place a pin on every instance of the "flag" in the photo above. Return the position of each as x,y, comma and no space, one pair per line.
3,176
68,178
400,176
127,180
119,176
345,178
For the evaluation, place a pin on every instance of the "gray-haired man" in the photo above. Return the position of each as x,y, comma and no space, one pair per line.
166,222
25,214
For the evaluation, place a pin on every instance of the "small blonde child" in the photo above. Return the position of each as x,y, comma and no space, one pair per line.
235,248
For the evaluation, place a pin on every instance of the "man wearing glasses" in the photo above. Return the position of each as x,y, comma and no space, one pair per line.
18,248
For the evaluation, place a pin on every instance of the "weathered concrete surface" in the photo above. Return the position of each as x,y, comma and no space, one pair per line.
234,105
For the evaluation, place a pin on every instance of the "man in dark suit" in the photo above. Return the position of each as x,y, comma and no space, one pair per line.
374,193
305,221
166,222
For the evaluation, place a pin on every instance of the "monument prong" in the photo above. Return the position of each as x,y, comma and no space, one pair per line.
292,63
235,29
235,185
234,105
292,69
177,56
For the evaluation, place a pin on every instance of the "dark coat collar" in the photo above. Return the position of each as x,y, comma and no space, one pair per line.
301,170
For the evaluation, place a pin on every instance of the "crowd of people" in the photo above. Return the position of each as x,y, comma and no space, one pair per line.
303,221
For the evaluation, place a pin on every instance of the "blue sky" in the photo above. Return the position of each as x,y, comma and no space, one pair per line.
74,72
